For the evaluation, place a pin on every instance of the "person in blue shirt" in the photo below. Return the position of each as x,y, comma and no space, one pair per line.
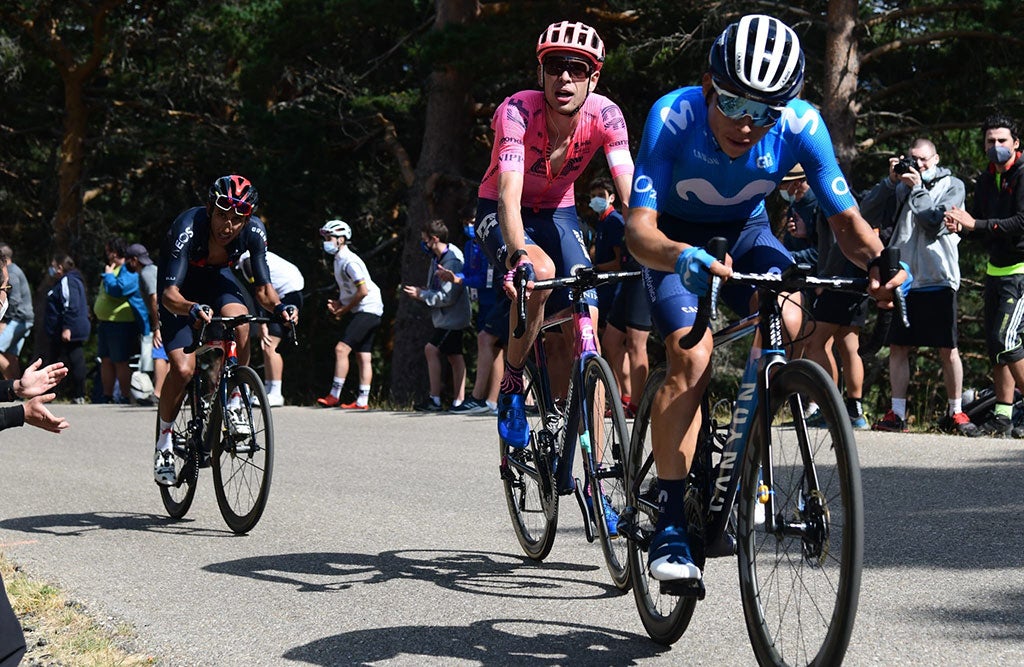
709,156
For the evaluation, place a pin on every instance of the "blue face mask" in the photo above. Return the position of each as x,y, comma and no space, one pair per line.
52,271
786,196
998,154
426,248
330,248
599,204
469,231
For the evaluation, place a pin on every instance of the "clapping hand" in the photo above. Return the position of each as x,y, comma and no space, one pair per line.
35,380
37,415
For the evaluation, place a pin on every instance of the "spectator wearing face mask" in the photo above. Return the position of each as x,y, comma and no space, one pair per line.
997,216
911,201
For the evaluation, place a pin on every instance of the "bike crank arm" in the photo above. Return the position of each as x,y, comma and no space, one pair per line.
588,525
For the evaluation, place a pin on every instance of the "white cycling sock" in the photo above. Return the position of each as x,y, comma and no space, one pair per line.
336,386
364,395
955,406
273,387
899,408
164,440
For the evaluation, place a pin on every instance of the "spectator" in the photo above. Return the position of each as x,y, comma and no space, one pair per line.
449,311
837,316
67,322
478,276
17,324
912,200
800,237
359,295
152,356
32,387
997,216
626,315
289,283
121,313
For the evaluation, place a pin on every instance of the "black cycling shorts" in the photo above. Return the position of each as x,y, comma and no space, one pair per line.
360,331
932,316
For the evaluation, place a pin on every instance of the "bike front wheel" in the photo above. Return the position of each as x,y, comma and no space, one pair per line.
665,617
243,450
609,440
529,490
178,498
800,582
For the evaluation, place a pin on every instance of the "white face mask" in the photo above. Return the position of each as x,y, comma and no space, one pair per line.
786,196
3,308
928,175
330,248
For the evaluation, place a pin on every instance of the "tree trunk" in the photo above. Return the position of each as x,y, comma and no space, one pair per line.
67,220
434,194
842,68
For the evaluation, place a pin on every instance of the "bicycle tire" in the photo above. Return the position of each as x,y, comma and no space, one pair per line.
529,492
800,591
243,469
665,617
609,440
178,499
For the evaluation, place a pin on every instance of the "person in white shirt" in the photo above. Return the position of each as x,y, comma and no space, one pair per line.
289,283
359,295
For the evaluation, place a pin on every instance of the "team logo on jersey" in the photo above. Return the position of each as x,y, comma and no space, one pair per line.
705,192
644,184
184,238
489,222
612,118
258,230
840,186
765,161
676,121
516,112
797,124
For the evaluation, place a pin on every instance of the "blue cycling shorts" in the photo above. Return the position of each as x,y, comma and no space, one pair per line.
754,249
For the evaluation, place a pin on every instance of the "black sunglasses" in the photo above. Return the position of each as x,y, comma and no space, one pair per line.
578,69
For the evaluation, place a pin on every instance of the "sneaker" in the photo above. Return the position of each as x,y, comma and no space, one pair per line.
354,406
254,401
1017,432
859,423
78,400
163,468
670,557
428,406
997,426
476,407
513,429
611,517
462,408
890,422
238,423
962,424
328,401
275,400
815,420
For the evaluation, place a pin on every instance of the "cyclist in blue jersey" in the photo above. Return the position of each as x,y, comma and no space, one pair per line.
709,156
196,281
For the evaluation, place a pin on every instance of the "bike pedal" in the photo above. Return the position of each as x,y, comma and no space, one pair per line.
684,588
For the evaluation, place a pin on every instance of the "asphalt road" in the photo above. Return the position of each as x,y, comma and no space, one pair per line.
386,541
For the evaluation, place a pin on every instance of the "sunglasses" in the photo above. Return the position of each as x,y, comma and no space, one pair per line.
579,70
735,107
5,288
226,203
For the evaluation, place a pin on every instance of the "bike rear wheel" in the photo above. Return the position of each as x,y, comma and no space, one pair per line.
177,499
243,466
665,617
800,585
529,492
609,440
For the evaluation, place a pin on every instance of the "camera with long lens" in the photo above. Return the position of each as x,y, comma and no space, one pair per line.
904,166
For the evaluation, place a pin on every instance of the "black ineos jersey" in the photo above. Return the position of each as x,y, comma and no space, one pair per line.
187,245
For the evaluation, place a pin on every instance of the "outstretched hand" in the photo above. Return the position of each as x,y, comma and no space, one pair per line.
35,380
37,415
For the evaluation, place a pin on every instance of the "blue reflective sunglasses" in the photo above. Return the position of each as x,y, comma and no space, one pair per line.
735,107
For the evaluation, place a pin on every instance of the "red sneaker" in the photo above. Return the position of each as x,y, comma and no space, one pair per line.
328,401
354,406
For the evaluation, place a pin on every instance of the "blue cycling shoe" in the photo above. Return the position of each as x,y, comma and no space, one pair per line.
513,429
669,556
611,517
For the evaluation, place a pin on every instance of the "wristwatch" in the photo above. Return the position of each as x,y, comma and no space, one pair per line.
513,259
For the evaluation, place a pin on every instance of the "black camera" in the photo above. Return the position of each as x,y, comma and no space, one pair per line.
904,166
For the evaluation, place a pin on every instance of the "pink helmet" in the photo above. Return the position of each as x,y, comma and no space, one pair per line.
572,36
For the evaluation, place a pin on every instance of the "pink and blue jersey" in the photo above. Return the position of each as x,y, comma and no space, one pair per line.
681,172
521,143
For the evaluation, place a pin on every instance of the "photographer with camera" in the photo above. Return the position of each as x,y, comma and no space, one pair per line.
911,201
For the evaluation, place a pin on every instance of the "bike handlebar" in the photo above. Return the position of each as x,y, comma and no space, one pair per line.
793,279
585,278
230,323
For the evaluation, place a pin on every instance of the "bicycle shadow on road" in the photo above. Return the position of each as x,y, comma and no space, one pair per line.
74,525
474,572
490,642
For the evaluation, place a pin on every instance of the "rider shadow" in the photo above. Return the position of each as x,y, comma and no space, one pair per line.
491,642
959,518
476,572
76,525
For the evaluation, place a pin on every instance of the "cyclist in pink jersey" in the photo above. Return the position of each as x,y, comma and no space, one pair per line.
526,209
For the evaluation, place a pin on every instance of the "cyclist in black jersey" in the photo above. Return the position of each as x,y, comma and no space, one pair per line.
196,282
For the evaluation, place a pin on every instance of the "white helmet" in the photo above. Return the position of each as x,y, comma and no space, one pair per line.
336,228
141,386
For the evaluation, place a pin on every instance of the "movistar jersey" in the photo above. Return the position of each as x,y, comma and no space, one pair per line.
680,170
